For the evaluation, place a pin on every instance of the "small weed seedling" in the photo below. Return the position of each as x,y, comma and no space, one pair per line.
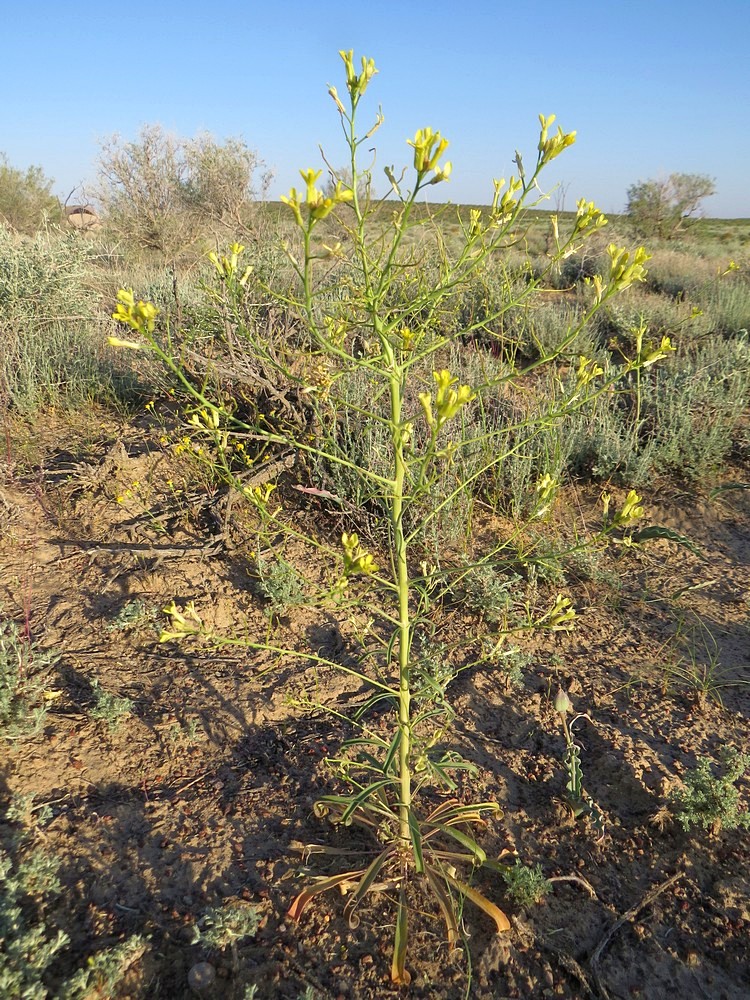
223,927
526,886
578,800
24,670
711,802
280,584
134,614
108,708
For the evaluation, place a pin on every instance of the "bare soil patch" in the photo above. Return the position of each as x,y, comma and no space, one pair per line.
197,798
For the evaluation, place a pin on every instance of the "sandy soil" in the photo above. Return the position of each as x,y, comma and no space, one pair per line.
196,799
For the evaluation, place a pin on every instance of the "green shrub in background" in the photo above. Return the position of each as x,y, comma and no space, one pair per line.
26,199
161,192
664,206
50,325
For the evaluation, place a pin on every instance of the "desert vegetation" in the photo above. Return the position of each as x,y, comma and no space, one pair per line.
374,606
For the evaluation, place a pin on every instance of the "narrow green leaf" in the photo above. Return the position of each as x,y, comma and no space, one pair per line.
718,490
358,801
655,531
365,884
416,841
392,751
464,840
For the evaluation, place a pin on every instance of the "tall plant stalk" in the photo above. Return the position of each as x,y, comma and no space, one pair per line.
403,336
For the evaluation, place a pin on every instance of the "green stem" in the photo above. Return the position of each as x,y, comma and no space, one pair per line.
404,627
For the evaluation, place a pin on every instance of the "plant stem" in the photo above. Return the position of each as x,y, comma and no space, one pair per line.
402,583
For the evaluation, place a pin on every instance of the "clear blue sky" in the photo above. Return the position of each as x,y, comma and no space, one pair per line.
651,86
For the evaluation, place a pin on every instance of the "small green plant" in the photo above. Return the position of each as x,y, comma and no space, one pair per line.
577,798
224,927
28,948
99,978
31,947
279,583
134,614
432,670
510,660
24,677
696,664
526,885
108,707
709,801
489,592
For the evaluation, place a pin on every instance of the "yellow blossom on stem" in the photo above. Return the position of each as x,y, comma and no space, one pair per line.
587,370
183,623
631,510
561,616
552,147
449,400
355,560
140,316
622,270
658,353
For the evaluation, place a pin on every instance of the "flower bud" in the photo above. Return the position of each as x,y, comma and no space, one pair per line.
562,702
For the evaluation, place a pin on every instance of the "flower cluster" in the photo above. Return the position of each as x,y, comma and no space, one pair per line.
356,83
448,401
139,316
227,267
630,512
355,559
561,616
317,205
428,147
183,623
551,147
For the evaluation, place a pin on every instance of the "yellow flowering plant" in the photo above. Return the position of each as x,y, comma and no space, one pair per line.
381,321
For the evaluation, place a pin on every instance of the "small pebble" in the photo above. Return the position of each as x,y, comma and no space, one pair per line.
201,976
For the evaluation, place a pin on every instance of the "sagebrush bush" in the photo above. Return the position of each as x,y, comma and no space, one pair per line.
682,418
26,199
161,192
711,801
51,331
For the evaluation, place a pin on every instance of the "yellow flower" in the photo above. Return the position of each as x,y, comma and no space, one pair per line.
622,270
449,400
658,353
562,615
140,316
550,148
182,623
587,370
356,561
631,510
129,344
428,147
